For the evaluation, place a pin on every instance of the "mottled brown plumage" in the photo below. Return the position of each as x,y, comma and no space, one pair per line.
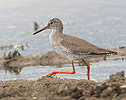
80,47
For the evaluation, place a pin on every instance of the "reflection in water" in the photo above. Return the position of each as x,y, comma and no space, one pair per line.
99,71
15,70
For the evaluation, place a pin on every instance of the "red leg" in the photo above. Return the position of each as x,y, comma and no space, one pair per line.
58,72
88,68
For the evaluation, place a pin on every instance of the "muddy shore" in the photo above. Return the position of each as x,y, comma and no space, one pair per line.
49,88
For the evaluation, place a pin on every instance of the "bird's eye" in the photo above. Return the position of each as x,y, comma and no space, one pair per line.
52,22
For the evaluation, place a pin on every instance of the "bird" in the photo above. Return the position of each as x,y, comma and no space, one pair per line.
71,47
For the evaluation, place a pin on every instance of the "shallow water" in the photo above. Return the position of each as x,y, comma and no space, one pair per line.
99,22
99,71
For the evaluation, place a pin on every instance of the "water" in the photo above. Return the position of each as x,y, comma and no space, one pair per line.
99,71
101,22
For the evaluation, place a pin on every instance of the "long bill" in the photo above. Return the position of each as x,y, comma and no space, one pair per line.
40,30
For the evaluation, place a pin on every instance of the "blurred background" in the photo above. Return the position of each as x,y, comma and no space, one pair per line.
101,22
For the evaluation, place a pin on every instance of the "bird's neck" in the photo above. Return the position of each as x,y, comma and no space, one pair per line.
56,30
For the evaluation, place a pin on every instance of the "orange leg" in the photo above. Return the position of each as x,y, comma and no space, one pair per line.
58,72
88,68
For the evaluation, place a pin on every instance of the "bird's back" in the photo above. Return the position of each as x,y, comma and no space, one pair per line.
77,46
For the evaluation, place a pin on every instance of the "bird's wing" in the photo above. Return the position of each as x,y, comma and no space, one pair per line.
79,46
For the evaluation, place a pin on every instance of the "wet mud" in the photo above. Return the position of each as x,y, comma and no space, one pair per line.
50,88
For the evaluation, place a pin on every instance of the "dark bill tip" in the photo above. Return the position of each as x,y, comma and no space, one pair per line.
37,32
40,30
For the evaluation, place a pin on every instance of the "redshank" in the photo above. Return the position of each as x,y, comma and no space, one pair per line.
71,47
